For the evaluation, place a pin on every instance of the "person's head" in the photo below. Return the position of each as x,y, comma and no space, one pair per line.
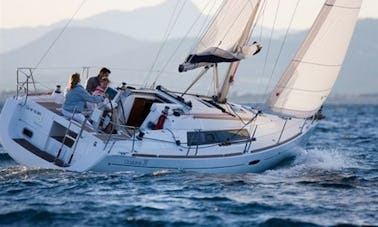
104,72
104,81
74,80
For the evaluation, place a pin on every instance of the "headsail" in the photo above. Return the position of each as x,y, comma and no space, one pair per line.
224,34
309,78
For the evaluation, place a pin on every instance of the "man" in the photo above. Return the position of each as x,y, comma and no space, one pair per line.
93,82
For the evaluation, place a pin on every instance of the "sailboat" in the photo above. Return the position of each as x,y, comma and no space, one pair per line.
157,129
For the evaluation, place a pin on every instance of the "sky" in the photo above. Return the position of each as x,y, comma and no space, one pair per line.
31,13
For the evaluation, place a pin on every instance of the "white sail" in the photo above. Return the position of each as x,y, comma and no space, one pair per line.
309,78
220,42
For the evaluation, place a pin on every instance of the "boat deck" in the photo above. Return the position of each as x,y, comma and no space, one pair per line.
52,106
57,108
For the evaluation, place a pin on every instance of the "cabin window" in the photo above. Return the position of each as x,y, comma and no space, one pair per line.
139,111
223,136
27,132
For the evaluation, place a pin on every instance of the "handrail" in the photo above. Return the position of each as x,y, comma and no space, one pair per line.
122,128
283,128
197,148
77,140
21,85
65,136
252,138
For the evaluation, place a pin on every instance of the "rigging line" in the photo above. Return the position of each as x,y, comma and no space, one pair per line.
60,34
204,27
212,21
259,15
283,44
171,24
168,31
270,38
179,45
43,85
245,124
57,67
233,23
140,70
210,86
281,48
262,16
260,78
254,24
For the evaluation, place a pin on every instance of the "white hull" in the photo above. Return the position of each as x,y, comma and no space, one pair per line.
243,163
30,134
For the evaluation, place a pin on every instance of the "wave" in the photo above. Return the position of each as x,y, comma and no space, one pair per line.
315,160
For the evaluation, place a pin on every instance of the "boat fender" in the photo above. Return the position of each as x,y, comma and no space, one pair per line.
162,118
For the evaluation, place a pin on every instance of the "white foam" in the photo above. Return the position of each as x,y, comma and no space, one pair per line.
315,159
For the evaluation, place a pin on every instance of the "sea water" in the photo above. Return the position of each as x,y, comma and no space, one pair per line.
332,181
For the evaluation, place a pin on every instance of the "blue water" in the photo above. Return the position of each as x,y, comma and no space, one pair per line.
333,181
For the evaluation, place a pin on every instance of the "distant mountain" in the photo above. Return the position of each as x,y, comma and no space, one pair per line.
17,37
147,23
77,47
131,59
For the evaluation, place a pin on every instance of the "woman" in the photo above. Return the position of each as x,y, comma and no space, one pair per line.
76,98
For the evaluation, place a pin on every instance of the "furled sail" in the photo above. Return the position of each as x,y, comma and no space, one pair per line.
220,42
310,76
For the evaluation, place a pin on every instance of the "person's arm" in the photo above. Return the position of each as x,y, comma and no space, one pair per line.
90,98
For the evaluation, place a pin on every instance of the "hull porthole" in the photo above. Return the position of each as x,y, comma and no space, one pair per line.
254,162
27,132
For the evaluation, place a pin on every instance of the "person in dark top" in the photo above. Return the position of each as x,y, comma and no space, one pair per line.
93,82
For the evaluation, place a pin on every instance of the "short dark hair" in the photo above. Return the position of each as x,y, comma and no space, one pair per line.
105,70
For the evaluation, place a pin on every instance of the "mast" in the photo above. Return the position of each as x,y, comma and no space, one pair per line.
229,79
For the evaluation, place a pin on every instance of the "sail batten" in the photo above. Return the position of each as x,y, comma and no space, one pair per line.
309,79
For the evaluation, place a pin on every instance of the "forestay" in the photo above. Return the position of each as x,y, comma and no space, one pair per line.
220,42
309,78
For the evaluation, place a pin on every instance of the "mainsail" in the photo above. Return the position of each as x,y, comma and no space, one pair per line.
310,76
221,42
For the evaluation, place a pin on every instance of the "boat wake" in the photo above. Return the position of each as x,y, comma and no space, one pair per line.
315,160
